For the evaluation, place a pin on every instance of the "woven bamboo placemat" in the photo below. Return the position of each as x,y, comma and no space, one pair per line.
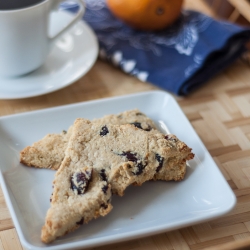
219,112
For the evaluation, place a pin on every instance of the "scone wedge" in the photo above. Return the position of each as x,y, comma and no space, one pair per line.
50,150
79,196
119,155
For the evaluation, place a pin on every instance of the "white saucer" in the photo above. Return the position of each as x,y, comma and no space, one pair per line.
70,58
157,207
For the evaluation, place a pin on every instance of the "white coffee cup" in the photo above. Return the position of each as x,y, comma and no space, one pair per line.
24,39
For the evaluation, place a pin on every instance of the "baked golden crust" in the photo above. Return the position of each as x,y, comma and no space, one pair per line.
46,153
118,156
70,209
49,151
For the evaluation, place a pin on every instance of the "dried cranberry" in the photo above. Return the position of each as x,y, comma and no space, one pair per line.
104,189
80,222
160,160
103,175
130,156
140,168
80,181
138,125
133,157
105,206
170,138
104,131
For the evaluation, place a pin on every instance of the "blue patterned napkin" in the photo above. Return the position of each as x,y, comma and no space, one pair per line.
178,59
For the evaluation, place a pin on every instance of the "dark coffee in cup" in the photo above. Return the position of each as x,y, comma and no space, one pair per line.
17,4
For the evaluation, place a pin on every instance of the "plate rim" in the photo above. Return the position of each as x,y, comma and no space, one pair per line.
112,238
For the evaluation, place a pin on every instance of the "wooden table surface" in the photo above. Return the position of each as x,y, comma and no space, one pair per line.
220,114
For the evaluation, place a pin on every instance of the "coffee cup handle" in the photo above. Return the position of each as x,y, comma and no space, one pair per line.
77,17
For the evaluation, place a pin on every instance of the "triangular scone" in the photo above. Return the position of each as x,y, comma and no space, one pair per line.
80,194
49,151
119,156
127,154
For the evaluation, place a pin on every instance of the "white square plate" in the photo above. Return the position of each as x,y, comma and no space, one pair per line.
153,208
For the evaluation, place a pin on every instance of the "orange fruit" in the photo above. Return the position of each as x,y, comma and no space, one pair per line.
146,14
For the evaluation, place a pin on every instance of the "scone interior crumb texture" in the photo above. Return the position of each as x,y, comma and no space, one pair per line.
97,159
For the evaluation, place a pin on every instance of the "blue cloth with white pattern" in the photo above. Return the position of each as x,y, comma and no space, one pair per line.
178,59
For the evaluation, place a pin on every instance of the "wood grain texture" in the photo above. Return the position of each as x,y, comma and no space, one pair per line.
243,7
220,114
